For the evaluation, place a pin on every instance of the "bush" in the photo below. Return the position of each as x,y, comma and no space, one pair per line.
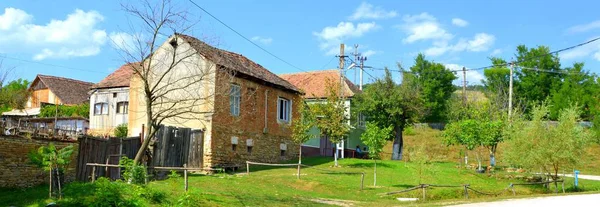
121,131
410,131
133,173
106,193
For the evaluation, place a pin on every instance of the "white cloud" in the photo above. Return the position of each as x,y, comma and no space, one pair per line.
473,77
368,11
460,22
423,27
75,36
480,42
125,42
370,53
584,27
592,49
264,40
496,52
331,37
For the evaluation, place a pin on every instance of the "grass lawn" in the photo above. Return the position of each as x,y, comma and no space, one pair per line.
268,186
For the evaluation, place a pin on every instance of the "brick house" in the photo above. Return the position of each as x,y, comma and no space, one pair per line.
313,84
249,110
109,102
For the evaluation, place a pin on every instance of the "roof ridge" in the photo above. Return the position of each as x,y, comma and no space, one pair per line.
63,78
311,71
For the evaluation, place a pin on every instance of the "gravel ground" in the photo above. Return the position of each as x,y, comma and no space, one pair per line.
569,200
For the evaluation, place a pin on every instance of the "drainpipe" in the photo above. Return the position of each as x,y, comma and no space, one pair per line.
266,109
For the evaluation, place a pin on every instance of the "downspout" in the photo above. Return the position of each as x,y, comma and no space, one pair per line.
266,109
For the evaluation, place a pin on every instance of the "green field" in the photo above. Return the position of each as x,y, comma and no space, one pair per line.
280,187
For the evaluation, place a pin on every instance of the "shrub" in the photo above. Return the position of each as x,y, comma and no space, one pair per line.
133,173
106,193
121,131
410,131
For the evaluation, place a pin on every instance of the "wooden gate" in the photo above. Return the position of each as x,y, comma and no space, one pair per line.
97,150
177,146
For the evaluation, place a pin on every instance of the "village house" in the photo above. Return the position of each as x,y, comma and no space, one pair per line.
109,102
314,85
244,110
50,90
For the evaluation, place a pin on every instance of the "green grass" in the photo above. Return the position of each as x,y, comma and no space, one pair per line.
279,186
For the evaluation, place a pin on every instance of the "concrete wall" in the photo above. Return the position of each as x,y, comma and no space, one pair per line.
15,170
104,124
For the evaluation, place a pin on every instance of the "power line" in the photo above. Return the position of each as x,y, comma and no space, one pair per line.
547,71
49,64
244,37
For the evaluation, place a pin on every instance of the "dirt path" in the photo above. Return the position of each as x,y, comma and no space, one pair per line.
569,200
585,177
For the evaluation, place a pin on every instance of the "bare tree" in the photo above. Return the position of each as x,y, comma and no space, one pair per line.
169,75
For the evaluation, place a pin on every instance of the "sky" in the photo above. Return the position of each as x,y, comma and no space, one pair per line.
75,39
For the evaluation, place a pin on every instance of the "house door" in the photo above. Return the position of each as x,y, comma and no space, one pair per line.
326,147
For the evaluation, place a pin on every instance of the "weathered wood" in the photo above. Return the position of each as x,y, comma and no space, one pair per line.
185,177
362,181
247,168
270,164
466,192
93,174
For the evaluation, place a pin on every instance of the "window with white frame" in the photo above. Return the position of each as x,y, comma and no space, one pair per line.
100,108
234,99
122,107
284,108
361,120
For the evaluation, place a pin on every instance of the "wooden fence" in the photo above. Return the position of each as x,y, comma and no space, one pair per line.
109,151
176,147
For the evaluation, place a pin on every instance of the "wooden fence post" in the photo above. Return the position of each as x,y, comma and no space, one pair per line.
563,186
247,168
512,187
93,173
185,176
466,191
424,190
362,181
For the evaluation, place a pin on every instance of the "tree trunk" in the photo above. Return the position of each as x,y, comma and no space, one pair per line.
493,156
58,183
299,160
335,155
50,185
147,137
375,174
398,144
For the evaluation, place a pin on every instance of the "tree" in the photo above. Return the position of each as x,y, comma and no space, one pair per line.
578,87
537,144
496,82
14,95
332,119
465,133
435,83
121,131
375,138
54,161
386,103
169,77
534,86
301,129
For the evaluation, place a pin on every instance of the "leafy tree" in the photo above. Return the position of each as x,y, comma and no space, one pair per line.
435,83
81,110
535,86
375,138
301,129
52,160
538,144
578,87
332,121
14,95
496,82
121,131
386,103
473,133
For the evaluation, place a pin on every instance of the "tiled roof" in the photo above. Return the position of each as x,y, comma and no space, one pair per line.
69,91
120,78
314,83
237,62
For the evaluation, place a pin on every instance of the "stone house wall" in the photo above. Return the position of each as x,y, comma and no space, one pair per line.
248,129
15,170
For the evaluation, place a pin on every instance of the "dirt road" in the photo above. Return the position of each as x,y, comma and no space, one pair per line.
569,200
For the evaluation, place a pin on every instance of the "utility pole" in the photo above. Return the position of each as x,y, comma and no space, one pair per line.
362,66
510,91
464,86
342,65
356,56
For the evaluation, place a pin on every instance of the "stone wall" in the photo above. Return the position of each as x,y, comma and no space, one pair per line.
15,170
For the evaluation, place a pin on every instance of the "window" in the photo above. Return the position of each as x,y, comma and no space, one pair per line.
361,120
122,107
234,100
249,149
233,147
114,95
282,153
284,107
100,108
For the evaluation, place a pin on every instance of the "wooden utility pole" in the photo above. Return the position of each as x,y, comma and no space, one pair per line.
510,91
341,93
464,86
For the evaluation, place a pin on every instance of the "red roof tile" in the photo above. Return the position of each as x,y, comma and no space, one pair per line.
120,78
314,83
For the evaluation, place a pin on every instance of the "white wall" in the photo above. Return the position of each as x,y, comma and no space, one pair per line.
112,119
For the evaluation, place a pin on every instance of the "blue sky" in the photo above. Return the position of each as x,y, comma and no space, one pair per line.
77,34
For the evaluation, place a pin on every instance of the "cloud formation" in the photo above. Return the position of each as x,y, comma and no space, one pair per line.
77,35
263,40
584,27
330,37
480,42
459,22
473,77
423,27
592,49
368,11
